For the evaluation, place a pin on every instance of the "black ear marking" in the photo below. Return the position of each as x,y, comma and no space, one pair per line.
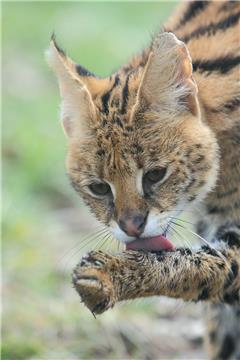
59,49
82,71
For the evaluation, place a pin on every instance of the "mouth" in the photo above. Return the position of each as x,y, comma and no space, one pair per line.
154,243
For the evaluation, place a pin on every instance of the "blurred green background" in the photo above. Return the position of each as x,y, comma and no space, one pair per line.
44,221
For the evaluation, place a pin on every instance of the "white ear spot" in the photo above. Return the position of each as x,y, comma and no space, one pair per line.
139,182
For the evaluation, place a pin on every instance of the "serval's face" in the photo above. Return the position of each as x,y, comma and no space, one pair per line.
138,151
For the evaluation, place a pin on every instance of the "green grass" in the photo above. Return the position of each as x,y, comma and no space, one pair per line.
43,219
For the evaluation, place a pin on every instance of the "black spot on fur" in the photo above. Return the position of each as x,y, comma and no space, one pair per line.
199,159
231,238
221,265
189,152
197,262
129,128
159,255
215,209
204,295
227,348
184,251
100,152
108,135
136,148
234,268
232,274
192,197
166,270
209,251
232,298
172,285
176,262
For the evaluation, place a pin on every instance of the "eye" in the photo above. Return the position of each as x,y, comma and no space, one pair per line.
100,189
153,176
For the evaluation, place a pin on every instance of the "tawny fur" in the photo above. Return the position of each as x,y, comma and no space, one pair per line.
175,105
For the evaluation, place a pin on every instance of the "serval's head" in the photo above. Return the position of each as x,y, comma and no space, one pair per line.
139,151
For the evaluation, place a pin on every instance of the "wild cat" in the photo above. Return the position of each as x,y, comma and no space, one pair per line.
159,135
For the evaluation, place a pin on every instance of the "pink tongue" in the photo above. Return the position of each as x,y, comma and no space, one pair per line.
151,243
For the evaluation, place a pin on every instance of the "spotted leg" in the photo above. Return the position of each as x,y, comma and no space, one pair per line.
102,279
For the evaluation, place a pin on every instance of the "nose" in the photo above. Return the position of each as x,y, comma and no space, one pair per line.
133,224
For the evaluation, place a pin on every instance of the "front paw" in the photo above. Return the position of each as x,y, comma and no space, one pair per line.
92,280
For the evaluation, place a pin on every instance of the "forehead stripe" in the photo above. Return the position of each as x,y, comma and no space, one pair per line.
125,95
106,96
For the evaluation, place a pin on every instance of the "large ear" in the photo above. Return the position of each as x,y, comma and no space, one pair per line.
77,105
167,85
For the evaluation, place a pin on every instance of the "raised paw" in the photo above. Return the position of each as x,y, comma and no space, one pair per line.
92,280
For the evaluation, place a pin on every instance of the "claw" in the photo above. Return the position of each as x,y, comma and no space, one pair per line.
93,314
101,306
98,263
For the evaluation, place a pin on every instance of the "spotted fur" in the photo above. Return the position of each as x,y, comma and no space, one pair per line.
174,106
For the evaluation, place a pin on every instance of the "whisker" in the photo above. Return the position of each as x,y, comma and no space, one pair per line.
87,237
171,228
111,245
94,235
90,240
185,240
193,233
100,242
115,244
182,220
108,237
118,246
201,238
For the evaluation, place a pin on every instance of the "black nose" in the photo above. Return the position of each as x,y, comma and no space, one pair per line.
133,224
